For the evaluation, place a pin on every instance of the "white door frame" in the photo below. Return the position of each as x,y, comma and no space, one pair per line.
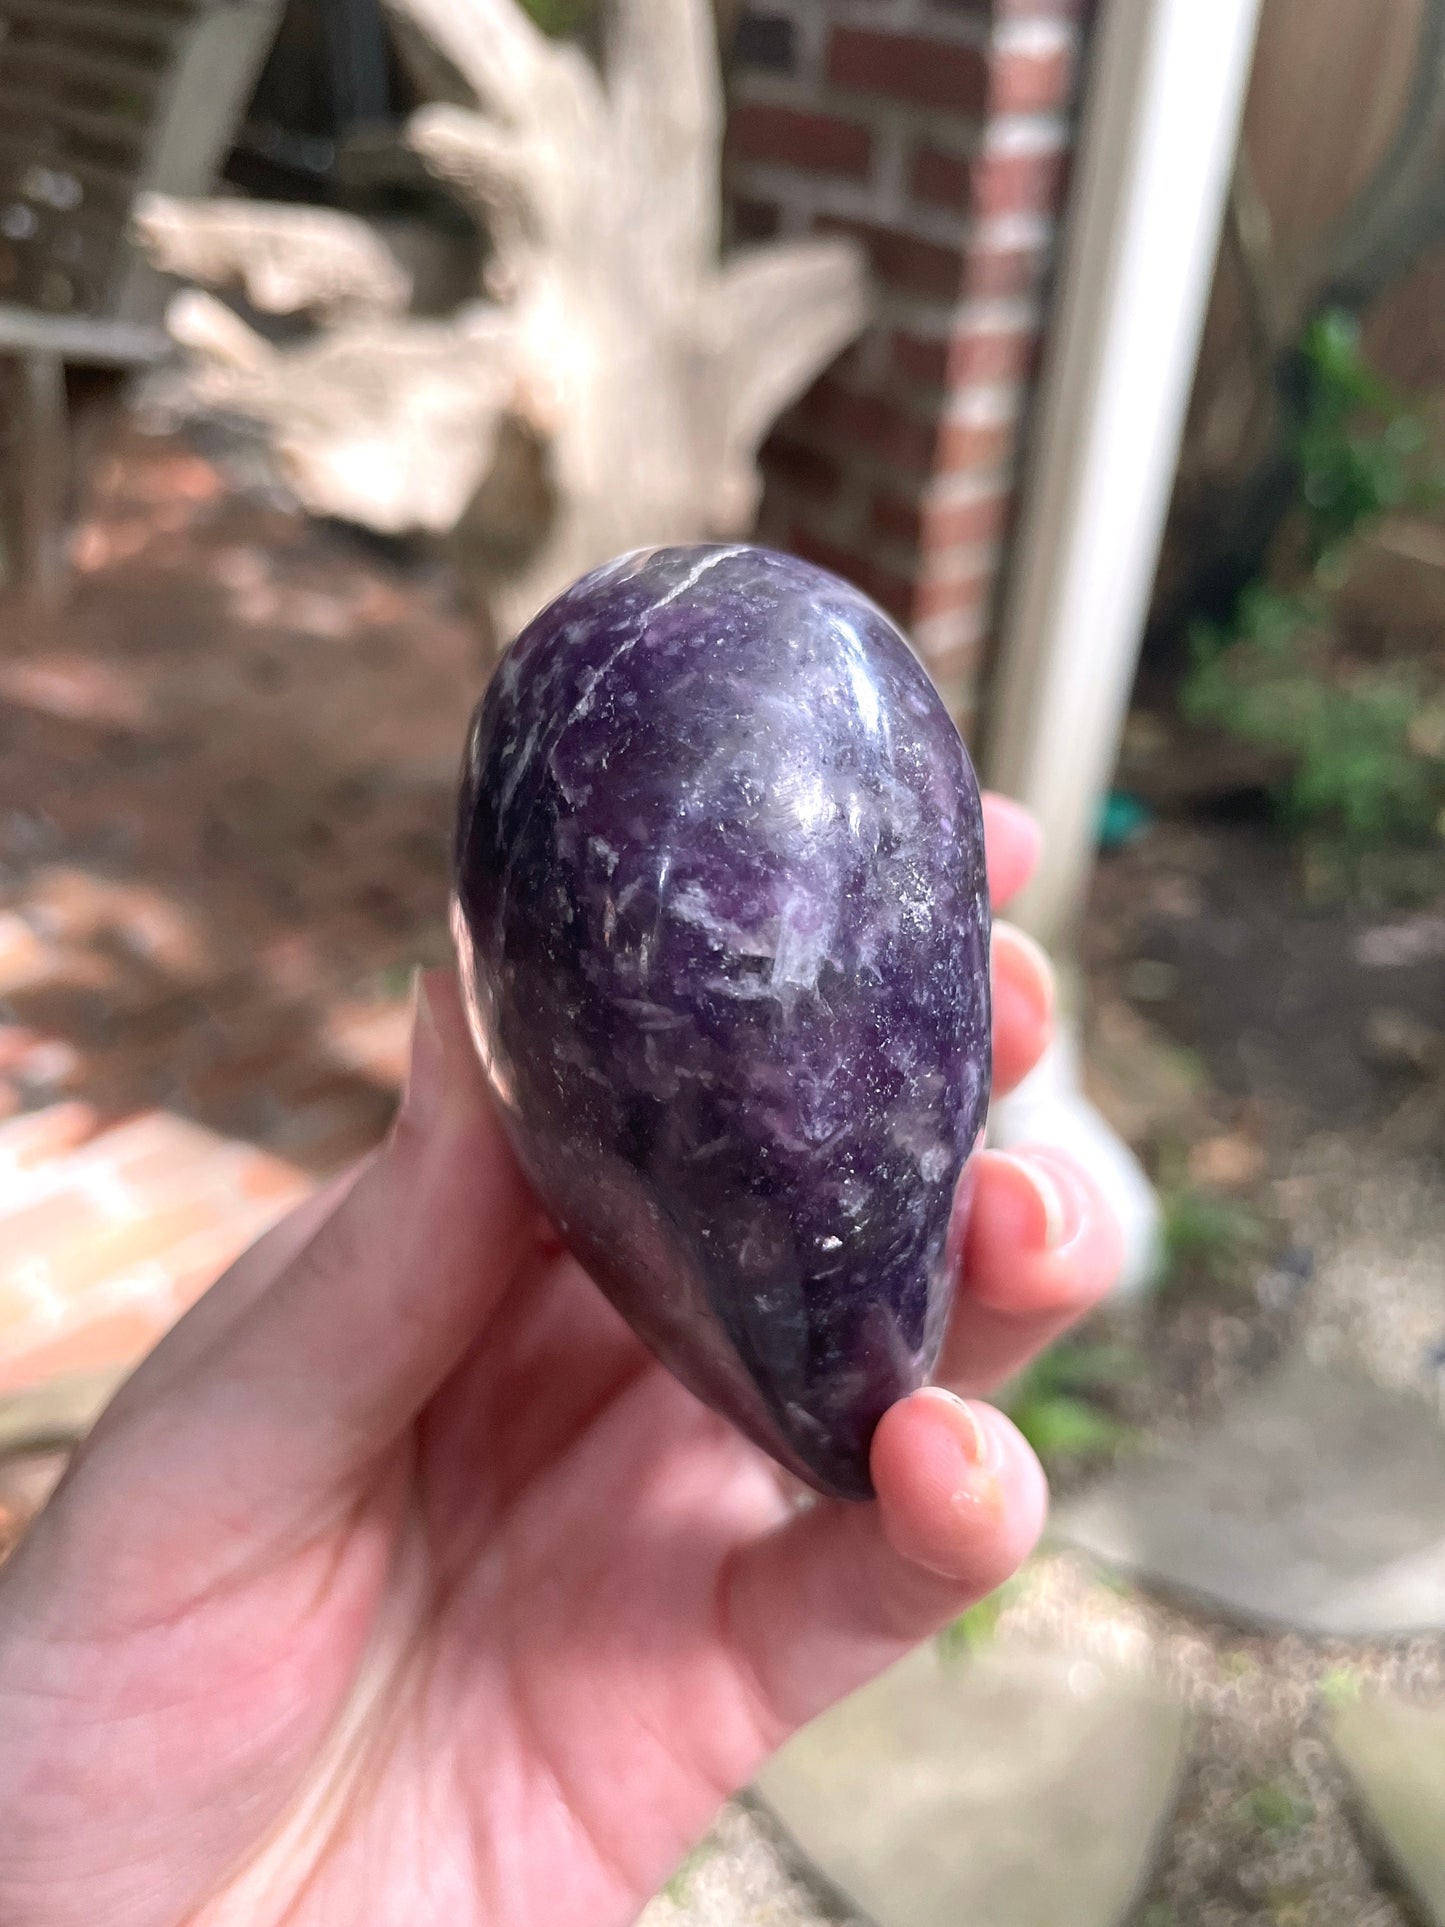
1167,80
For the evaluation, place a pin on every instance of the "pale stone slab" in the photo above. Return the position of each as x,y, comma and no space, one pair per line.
1017,1789
1394,1754
1317,1502
58,1413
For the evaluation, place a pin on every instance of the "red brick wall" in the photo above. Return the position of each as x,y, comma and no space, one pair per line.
937,132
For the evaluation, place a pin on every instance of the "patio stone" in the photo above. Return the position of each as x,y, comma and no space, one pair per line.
1394,1755
1021,1789
1317,1503
105,1244
26,1484
55,1415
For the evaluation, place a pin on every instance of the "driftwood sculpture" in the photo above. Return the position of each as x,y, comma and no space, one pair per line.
284,260
613,381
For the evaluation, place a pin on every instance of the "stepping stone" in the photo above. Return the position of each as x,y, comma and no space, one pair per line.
1018,1789
1317,1503
1394,1755
54,1416
25,1485
106,1238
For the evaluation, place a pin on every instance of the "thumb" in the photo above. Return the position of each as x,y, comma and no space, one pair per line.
293,1383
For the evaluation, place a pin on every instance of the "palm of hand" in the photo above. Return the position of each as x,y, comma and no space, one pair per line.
467,1695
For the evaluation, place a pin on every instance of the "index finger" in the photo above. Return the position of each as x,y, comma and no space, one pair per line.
1011,845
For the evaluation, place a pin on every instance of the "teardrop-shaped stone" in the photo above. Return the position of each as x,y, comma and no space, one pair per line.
723,928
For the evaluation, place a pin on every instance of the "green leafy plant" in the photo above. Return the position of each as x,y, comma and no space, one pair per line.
1362,764
1361,447
1362,741
972,1631
560,18
678,1887
1275,1808
1056,1403
1341,1686
1208,1237
1292,1905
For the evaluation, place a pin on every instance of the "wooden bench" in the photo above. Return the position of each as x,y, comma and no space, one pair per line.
42,469
101,101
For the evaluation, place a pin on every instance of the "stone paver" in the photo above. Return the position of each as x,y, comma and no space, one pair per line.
1394,1755
1317,1503
101,1249
54,1416
1019,1789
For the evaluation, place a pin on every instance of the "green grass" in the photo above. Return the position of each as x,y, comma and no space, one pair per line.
972,1631
1060,1402
678,1887
560,18
1208,1238
1362,740
1340,1686
1275,1808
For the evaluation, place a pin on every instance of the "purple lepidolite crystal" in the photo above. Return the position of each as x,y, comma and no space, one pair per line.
723,926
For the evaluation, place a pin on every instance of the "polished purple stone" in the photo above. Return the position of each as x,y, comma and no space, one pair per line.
723,926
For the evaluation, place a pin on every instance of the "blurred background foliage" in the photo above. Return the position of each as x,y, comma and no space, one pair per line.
1361,734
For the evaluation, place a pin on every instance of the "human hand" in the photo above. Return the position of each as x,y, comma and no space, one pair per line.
400,1584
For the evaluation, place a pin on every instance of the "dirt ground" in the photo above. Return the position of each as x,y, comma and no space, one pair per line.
257,722
1307,1042
225,796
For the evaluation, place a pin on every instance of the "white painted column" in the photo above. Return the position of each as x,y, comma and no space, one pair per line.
1161,123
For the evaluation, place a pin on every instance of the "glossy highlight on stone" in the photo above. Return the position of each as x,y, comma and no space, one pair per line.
723,927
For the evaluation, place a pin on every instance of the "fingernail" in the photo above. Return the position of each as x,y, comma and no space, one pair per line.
426,1077
1022,820
1014,810
1051,1217
1042,969
974,1478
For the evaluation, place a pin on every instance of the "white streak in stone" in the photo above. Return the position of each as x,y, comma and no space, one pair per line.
692,577
804,939
865,690
692,905
583,706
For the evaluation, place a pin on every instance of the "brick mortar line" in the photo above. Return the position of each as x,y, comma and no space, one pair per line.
984,404
970,488
1038,39
977,314
1044,132
849,519
962,131
913,21
965,626
869,111
838,198
873,474
949,561
955,491
990,403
